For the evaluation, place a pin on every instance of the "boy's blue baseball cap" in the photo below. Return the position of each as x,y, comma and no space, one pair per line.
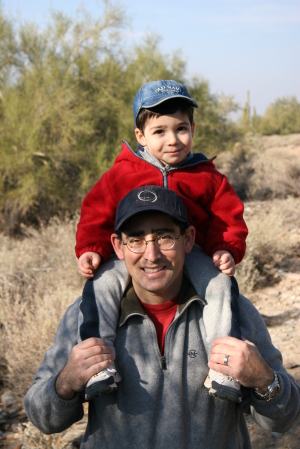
156,92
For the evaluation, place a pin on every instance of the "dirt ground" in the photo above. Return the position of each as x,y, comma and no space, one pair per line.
280,307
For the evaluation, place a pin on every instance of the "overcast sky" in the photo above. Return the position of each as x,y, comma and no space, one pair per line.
237,45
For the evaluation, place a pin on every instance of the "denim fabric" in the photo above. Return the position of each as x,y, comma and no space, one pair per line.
156,92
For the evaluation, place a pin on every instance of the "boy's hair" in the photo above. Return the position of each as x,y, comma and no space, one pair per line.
167,107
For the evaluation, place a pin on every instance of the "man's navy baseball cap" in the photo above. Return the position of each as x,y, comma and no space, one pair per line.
151,198
156,92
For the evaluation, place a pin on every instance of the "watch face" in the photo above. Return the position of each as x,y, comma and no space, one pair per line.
274,391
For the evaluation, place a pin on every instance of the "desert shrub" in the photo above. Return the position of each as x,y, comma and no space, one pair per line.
271,245
237,171
268,169
58,95
214,130
281,117
66,104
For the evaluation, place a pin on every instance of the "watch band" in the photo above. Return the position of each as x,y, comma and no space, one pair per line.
272,390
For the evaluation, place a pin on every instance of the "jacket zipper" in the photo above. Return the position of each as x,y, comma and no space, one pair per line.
164,172
165,178
163,357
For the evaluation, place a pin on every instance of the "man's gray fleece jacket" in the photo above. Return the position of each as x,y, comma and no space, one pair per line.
162,403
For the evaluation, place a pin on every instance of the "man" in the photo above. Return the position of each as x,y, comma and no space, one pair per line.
162,401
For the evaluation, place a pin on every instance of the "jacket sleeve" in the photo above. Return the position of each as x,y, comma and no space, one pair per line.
45,409
280,413
227,228
97,219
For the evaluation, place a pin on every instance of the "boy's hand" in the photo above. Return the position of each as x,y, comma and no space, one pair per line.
87,263
224,261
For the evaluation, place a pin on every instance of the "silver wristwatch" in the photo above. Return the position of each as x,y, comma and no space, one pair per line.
272,390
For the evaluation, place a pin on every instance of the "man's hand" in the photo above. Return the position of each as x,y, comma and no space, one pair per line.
224,261
244,363
87,263
86,359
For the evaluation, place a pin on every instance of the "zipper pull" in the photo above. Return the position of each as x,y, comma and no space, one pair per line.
163,362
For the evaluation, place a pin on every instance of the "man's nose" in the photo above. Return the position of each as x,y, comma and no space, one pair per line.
152,252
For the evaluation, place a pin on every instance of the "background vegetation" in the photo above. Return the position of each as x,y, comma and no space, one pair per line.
66,96
281,117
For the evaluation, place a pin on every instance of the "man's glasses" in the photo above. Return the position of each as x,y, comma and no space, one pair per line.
162,242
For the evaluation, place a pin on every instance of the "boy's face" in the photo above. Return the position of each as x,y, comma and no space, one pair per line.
168,137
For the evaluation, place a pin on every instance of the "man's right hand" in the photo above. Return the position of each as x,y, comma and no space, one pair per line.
86,359
87,263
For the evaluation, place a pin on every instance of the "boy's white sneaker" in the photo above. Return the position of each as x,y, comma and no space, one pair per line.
103,382
222,386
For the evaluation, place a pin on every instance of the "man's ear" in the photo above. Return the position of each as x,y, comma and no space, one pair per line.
118,246
140,137
189,238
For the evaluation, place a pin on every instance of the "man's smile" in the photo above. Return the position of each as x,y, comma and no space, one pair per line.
153,270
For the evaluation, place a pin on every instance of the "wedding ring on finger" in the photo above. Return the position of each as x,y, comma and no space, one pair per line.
226,360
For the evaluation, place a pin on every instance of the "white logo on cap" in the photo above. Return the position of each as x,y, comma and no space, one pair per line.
147,195
164,88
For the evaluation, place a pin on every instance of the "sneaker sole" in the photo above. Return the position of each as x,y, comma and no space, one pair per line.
225,392
96,389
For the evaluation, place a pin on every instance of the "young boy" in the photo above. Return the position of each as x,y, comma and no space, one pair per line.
163,114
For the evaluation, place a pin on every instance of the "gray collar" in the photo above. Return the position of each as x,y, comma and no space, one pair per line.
130,304
145,154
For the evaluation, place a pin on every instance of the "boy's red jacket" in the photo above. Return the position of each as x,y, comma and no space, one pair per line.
212,204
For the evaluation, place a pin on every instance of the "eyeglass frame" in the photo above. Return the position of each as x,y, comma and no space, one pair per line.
153,241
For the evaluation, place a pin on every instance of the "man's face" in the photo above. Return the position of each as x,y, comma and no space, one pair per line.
156,274
168,137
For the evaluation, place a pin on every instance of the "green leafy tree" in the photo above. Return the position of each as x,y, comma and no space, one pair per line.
66,95
281,117
55,109
214,129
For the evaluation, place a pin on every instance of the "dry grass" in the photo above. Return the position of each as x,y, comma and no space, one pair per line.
38,280
272,244
32,438
264,168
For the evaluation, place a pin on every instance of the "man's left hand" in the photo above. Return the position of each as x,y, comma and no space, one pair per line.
244,363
